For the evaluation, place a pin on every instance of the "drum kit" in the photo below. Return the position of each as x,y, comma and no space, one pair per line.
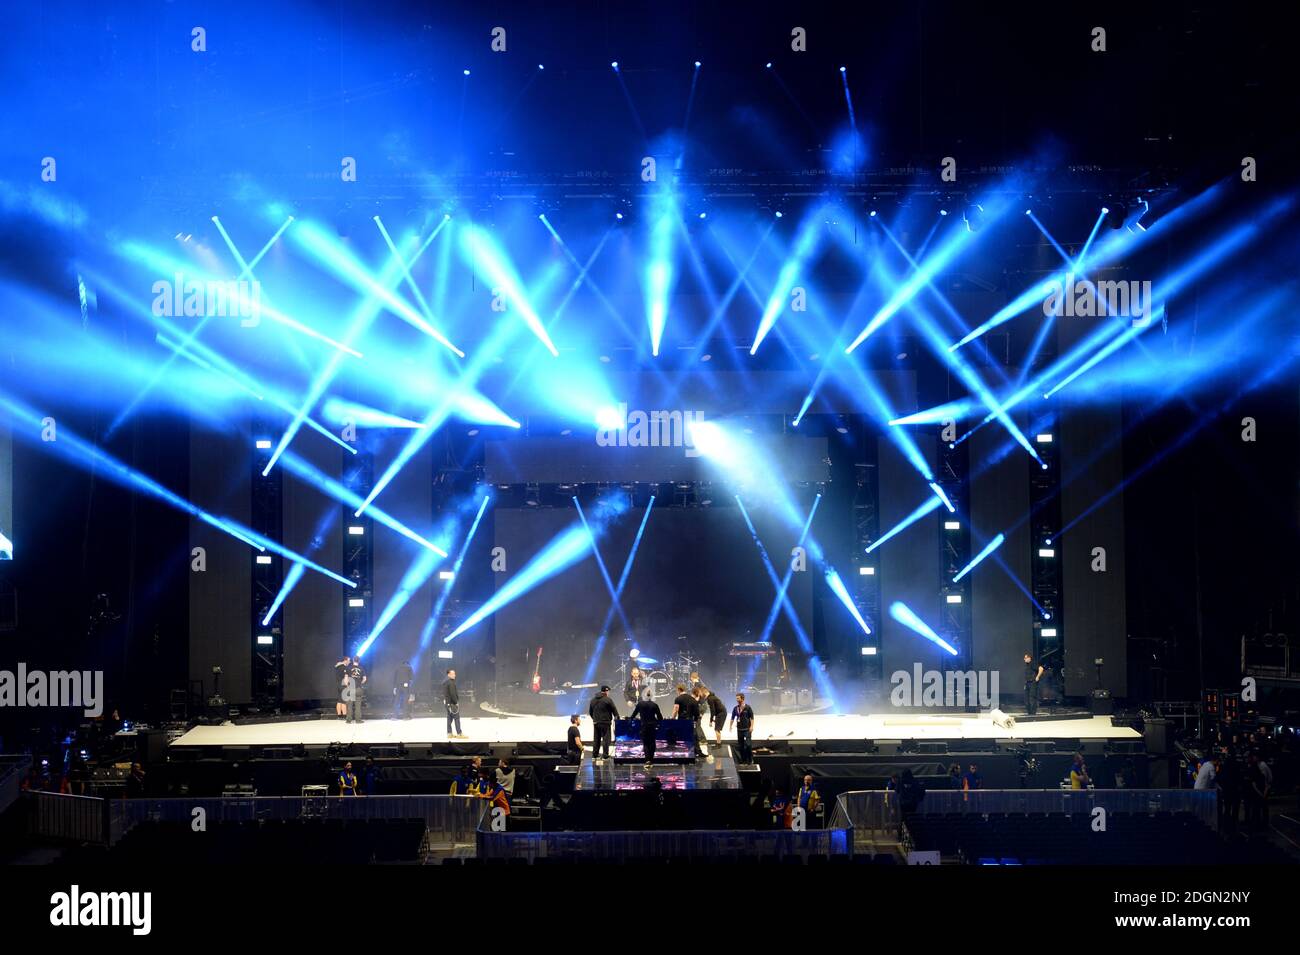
662,680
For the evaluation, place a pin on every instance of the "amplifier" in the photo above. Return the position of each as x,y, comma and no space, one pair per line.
1101,703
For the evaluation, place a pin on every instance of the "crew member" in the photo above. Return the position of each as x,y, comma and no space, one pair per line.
506,776
354,678
403,695
603,712
717,713
573,751
742,715
648,712
808,798
347,781
1079,773
687,707
451,703
1033,674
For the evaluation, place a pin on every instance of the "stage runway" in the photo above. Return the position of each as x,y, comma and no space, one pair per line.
552,729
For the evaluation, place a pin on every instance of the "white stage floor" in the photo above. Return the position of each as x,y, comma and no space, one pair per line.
548,729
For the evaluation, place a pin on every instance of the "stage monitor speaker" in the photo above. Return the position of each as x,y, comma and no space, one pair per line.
1159,734
1101,702
805,697
930,748
889,747
1092,747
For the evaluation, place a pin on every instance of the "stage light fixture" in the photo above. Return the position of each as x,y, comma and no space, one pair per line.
697,64
769,66
953,598
263,558
868,651
614,66
540,66
609,419
263,444
265,640
444,654
1046,552
446,575
973,216
1043,438
952,525
466,72
356,602
356,531
1049,631
866,571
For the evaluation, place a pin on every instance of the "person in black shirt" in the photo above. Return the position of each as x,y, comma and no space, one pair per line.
687,707
743,716
354,678
603,712
451,703
717,713
573,752
648,712
1033,673
402,693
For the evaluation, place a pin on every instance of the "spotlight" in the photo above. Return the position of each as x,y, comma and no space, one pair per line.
841,69
697,64
614,66
619,216
540,66
780,214
704,215
943,212
609,419
873,213
466,72
769,66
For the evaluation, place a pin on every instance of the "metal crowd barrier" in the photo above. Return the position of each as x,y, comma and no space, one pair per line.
621,846
1203,804
449,819
72,818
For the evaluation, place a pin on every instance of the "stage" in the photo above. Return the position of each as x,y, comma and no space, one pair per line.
553,729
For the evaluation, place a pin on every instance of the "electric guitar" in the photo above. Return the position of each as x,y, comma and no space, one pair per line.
537,673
